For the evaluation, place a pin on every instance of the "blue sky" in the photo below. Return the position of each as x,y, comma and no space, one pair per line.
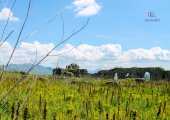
118,23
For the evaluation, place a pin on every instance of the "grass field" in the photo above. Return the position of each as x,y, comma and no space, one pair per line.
56,98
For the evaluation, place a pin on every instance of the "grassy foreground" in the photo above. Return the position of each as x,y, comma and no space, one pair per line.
53,98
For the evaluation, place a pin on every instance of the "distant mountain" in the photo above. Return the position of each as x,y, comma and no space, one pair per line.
39,70
50,68
95,70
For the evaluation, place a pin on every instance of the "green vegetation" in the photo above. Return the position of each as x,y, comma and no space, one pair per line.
57,98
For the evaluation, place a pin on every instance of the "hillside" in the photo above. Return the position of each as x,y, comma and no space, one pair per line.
39,70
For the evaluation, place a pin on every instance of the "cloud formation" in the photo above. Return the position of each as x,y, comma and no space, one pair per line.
86,52
105,56
6,13
155,53
85,7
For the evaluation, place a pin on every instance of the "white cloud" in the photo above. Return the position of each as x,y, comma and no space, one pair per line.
155,53
30,48
85,7
6,13
87,56
25,53
86,52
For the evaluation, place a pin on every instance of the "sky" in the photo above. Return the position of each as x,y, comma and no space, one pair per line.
119,33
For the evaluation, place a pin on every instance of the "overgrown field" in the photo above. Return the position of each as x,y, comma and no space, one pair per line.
54,98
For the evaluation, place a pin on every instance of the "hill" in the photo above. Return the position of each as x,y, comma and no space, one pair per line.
39,70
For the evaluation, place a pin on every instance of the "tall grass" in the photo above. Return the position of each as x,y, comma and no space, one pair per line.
54,98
